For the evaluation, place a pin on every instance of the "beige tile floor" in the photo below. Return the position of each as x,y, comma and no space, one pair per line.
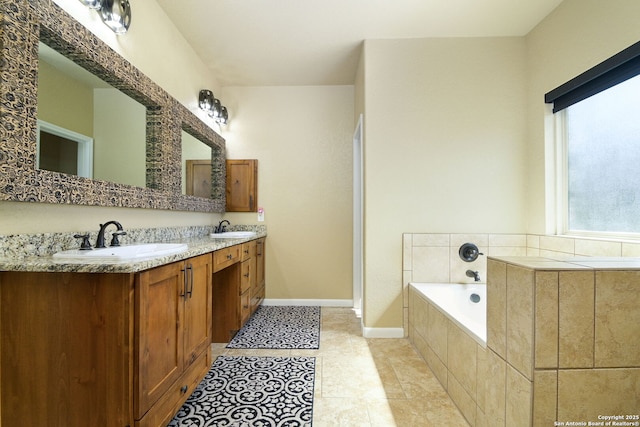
368,382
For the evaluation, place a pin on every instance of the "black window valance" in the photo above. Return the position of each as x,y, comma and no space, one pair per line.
618,68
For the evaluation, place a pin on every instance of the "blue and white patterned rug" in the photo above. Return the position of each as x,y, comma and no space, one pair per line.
252,391
280,327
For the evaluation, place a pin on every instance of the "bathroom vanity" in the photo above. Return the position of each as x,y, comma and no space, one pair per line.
239,287
121,344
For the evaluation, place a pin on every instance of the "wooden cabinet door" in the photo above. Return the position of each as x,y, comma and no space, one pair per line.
260,262
66,343
242,185
159,336
257,290
197,307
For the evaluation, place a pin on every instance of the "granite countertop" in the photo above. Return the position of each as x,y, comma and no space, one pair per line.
571,262
196,246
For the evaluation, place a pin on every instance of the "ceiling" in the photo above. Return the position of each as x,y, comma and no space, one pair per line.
317,42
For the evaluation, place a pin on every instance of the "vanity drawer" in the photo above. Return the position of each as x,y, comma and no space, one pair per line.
223,258
165,409
249,250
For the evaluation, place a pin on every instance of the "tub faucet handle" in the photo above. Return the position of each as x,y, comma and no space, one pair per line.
469,252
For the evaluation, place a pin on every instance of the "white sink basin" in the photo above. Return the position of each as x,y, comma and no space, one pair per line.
233,234
122,253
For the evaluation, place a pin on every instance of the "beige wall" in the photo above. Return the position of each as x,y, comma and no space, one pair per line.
118,155
151,43
444,150
576,36
56,89
302,138
444,112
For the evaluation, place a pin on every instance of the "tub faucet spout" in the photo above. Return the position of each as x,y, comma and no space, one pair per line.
474,274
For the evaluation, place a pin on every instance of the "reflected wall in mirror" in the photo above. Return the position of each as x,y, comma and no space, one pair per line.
27,22
75,106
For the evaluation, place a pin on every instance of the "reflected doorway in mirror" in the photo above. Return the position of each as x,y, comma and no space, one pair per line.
65,151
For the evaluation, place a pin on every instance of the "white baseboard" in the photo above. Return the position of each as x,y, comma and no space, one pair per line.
316,302
366,332
383,332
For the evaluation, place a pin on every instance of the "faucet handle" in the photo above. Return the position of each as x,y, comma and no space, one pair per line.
114,237
85,245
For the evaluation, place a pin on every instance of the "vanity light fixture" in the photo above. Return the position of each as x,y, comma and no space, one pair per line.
93,4
212,106
116,14
205,100
214,112
224,116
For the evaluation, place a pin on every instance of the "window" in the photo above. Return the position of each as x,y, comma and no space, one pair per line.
602,137
599,141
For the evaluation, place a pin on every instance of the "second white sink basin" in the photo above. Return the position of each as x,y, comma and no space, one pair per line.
233,234
122,253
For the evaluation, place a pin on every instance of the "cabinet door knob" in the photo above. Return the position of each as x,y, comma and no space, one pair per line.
184,389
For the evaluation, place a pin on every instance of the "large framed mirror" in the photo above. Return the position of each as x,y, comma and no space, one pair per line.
33,32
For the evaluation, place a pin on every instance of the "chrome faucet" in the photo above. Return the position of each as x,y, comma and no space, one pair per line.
114,240
221,227
474,274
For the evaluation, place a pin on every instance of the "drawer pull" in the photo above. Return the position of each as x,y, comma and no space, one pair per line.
229,256
184,389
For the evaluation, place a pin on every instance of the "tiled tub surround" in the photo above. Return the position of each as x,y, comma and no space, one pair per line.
433,257
562,339
453,355
562,342
32,252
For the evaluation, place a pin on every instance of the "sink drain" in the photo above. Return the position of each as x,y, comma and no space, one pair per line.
475,298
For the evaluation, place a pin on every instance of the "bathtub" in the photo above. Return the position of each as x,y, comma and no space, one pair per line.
448,328
464,304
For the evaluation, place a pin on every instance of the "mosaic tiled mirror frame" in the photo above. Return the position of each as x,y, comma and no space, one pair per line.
23,24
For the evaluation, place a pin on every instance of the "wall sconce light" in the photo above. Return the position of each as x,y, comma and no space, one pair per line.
116,14
213,107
